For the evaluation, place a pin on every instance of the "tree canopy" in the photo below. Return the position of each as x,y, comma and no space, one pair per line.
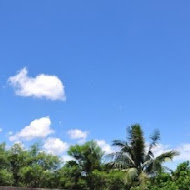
133,167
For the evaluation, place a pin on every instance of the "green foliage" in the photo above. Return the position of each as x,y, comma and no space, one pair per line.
6,176
88,158
132,168
16,157
177,180
182,176
27,168
70,176
112,180
39,166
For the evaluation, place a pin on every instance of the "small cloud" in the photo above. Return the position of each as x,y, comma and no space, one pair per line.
55,146
39,128
1,129
66,158
41,86
104,146
78,134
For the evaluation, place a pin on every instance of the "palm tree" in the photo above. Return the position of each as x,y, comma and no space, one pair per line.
134,157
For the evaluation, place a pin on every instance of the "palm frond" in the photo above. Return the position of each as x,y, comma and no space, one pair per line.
131,174
167,156
143,177
123,145
120,160
155,137
155,165
133,159
119,143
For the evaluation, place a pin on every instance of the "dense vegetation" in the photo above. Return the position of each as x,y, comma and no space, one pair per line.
132,167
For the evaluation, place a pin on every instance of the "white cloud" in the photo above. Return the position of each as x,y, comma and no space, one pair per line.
184,150
160,149
1,129
78,134
41,86
66,158
184,153
55,146
104,146
39,128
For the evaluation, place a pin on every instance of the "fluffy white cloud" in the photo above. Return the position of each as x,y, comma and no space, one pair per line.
1,130
46,86
39,128
104,146
78,134
55,146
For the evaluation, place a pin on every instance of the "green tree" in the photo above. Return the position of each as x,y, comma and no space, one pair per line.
112,180
70,176
181,176
133,158
177,180
88,158
39,168
17,159
6,177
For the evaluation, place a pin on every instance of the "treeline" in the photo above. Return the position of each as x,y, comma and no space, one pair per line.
131,167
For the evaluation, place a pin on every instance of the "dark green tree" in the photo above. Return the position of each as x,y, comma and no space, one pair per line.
88,158
17,159
70,176
39,168
6,177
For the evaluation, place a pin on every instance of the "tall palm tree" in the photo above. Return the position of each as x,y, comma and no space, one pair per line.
136,158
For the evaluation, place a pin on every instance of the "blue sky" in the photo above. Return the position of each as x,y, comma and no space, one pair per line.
120,63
